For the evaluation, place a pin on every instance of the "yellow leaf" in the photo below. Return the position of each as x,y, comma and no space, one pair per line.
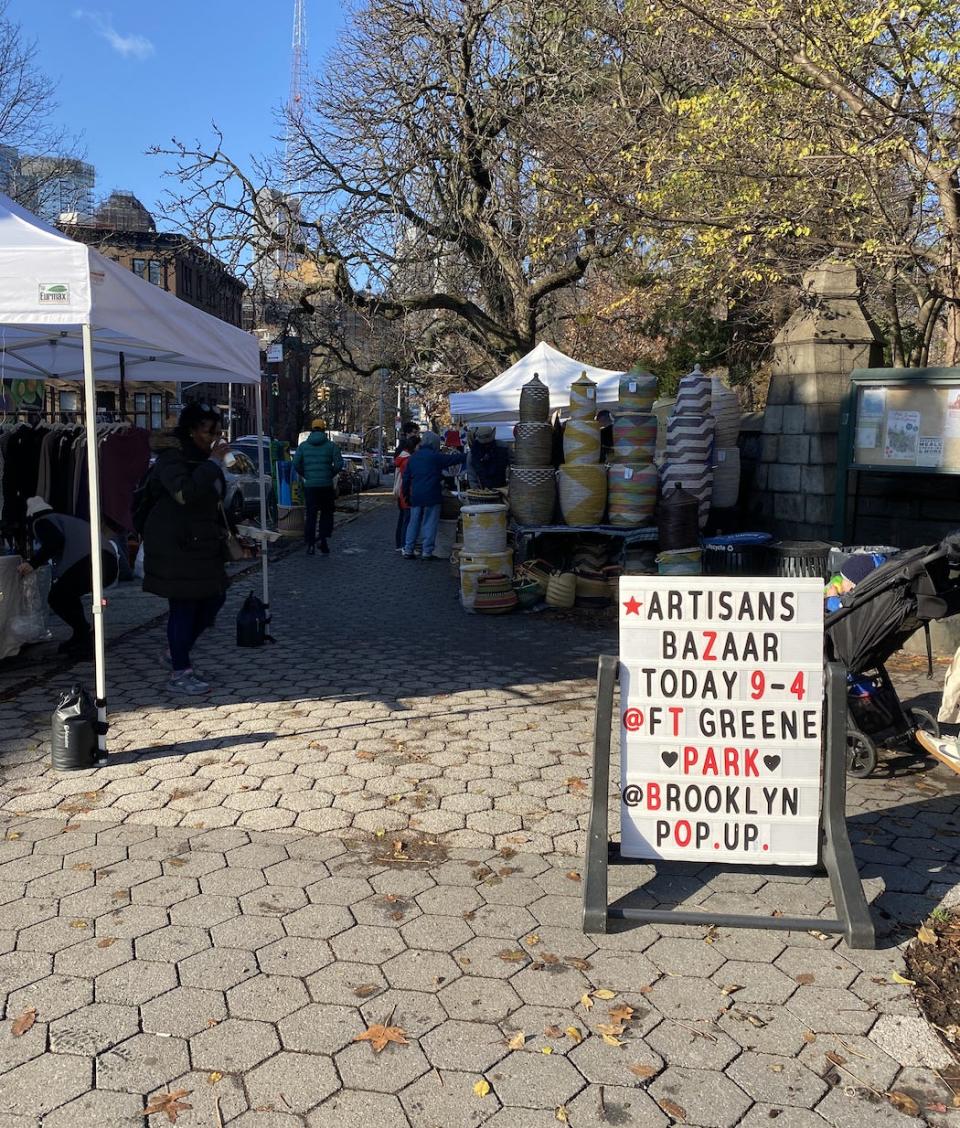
546,1050
380,833
611,1040
603,993
481,1087
561,1115
586,1002
574,1035
13,835
896,977
517,1041
926,935
79,924
214,1077
533,939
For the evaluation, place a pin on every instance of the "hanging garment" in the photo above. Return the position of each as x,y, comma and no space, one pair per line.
124,459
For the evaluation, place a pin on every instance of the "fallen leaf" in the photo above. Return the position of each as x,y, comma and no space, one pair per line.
378,1036
804,979
517,1041
621,1013
546,1049
711,935
107,942
817,935
573,1033
644,1072
560,1113
835,1058
926,935
578,962
604,994
729,988
896,977
22,1024
809,1037
611,1028
364,990
214,1077
13,835
776,1068
586,1002
82,867
532,940
611,1040
79,923
176,862
169,1103
552,1032
481,1087
575,784
674,1110
903,1103
512,955
573,875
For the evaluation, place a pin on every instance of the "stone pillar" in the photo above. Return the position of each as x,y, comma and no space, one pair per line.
813,355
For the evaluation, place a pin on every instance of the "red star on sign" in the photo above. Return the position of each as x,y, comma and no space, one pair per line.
633,605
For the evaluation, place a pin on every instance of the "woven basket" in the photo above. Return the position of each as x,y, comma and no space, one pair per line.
726,479
638,390
562,590
450,507
725,408
484,528
694,392
535,571
593,590
583,494
290,520
690,437
583,398
492,561
581,442
529,593
662,409
469,575
681,562
533,444
632,494
635,438
534,402
495,594
533,494
677,521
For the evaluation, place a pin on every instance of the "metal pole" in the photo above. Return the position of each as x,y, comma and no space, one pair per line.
264,546
384,372
96,551
230,413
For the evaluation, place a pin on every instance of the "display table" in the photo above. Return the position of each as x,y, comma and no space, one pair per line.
524,535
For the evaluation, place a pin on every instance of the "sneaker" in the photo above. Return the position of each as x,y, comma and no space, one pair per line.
324,548
409,556
168,662
187,682
944,749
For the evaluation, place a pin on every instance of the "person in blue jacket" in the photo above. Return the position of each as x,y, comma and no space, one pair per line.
318,461
422,482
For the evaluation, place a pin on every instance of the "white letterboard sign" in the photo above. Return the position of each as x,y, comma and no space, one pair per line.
721,692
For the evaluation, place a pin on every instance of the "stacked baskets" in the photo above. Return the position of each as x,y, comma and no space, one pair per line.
690,442
632,477
582,480
533,487
726,473
484,548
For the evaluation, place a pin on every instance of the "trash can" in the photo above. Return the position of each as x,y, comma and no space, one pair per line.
738,554
801,559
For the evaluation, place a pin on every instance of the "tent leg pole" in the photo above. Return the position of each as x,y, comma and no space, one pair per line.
96,551
264,546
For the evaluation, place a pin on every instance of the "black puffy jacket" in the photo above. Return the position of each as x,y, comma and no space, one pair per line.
184,547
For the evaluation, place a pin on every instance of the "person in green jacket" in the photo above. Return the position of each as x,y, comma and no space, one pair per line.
318,461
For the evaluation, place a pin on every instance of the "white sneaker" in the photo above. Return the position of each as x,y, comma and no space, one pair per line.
944,749
187,682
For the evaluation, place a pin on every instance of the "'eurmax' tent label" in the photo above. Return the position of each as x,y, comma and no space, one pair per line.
721,692
54,293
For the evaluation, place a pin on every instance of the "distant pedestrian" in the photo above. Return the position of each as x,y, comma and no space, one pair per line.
184,537
407,447
409,430
318,461
422,488
489,459
65,542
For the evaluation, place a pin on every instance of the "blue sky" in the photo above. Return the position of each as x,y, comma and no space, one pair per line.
131,75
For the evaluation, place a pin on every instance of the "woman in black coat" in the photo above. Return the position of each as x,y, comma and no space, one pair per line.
184,537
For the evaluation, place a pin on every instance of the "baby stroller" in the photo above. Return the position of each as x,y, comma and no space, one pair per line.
875,620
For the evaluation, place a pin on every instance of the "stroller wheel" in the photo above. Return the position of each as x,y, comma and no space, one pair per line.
924,721
861,754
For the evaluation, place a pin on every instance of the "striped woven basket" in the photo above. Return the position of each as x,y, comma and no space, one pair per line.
492,561
681,562
690,437
726,479
581,442
533,494
696,478
694,392
725,409
637,391
495,594
593,590
583,398
635,437
534,401
583,494
562,590
632,494
532,444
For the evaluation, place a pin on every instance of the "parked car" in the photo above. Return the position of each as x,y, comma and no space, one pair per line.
367,472
247,444
350,480
243,487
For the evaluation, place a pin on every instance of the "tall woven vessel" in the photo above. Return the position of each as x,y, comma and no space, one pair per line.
632,494
532,444
725,409
583,398
638,390
581,442
694,393
484,528
583,494
533,494
690,437
534,401
635,437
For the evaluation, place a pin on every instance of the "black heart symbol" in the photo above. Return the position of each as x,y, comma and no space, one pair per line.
669,758
771,762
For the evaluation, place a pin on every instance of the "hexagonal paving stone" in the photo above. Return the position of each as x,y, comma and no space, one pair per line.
504,921
684,957
346,983
25,1047
622,970
695,1045
294,955
49,936
296,872
320,1028
171,944
134,983
770,1030
532,1080
204,1099
92,957
761,1115
687,998
831,1010
386,1072
303,1079
164,891
464,1046
549,984
436,933
486,1000
273,900
17,969
93,1029
385,910
446,1099
603,1064
617,1104
820,968
53,996
204,911
142,1063
232,882
183,1011
779,1080
708,1098
98,1107
234,1045
248,932
339,891
268,997
218,968
130,921
356,1106
416,970
38,1086
873,1067
366,944
319,922
754,982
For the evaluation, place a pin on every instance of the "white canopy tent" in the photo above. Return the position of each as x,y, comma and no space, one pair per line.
498,401
69,313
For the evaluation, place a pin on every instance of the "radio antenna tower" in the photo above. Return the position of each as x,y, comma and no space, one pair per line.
298,60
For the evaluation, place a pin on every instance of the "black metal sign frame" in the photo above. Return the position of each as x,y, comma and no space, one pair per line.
836,856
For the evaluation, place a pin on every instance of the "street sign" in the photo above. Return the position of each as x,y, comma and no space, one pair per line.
274,354
721,690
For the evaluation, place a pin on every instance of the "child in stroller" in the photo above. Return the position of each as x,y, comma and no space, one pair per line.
879,605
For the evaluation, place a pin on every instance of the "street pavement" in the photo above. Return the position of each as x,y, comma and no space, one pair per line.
379,821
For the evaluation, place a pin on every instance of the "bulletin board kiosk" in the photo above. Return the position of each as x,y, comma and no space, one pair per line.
895,421
732,745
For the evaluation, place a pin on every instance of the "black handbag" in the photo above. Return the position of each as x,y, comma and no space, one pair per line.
252,620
